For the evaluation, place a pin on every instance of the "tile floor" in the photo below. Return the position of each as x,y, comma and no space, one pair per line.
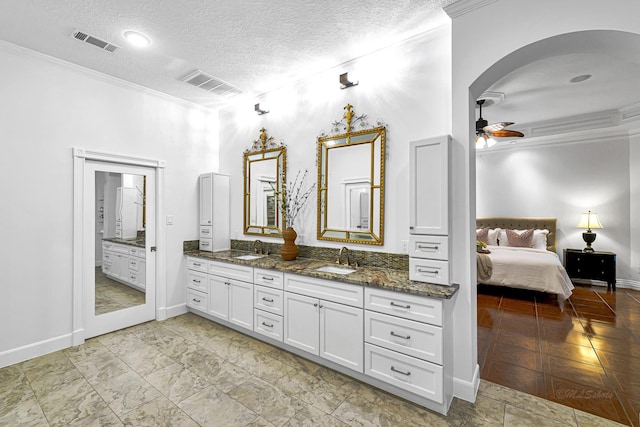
187,371
586,357
112,295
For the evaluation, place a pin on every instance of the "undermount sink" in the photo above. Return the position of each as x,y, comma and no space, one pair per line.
248,257
335,270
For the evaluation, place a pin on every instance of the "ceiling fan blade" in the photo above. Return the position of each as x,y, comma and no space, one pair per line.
496,126
505,133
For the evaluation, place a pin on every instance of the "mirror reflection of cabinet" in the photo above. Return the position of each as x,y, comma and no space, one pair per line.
351,182
264,172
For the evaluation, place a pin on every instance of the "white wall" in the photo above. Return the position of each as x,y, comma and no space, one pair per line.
634,202
561,181
480,56
407,86
48,107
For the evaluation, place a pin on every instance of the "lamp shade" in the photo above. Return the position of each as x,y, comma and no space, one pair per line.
589,220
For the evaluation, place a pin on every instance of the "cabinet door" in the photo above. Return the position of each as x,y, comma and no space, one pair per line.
301,322
241,303
120,266
429,186
341,334
219,297
206,199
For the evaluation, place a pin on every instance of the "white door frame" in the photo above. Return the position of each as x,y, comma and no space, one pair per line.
80,156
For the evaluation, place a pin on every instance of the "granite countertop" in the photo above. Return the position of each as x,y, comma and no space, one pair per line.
139,242
395,280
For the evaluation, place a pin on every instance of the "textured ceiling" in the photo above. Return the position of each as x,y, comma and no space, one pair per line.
253,45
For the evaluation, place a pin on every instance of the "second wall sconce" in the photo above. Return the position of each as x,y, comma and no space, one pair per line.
260,110
345,83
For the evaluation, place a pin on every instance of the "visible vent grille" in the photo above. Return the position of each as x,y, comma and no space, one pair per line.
209,83
93,40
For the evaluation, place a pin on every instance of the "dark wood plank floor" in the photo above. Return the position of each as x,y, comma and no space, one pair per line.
586,357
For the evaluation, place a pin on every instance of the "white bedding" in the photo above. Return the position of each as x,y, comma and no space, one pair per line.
528,268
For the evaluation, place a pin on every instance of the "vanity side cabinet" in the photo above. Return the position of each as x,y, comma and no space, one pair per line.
429,211
214,212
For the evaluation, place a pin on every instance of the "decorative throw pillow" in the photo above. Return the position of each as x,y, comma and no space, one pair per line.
520,240
482,234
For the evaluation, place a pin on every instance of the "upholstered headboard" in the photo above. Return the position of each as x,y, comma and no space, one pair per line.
522,224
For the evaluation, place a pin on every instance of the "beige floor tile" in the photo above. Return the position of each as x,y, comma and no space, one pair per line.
295,361
263,366
126,392
102,367
88,349
158,412
313,417
313,390
485,409
530,418
584,419
176,382
212,407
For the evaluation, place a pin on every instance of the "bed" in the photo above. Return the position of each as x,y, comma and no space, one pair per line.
535,268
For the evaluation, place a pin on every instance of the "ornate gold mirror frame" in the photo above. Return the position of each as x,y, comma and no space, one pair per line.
351,181
264,171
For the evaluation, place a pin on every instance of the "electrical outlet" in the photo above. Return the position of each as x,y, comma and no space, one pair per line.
405,246
169,219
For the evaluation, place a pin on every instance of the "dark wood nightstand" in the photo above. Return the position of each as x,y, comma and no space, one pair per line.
591,265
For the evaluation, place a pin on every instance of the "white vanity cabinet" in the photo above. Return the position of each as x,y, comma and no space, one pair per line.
214,212
324,318
221,290
408,344
429,210
124,263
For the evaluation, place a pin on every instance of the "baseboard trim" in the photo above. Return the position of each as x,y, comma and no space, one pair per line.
30,351
466,390
628,284
175,310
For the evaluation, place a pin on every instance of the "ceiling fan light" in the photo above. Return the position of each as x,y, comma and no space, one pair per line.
491,142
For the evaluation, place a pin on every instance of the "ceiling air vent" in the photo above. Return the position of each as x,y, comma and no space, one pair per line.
209,83
93,40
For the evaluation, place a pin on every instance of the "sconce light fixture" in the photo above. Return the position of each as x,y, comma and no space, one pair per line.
344,81
589,220
260,110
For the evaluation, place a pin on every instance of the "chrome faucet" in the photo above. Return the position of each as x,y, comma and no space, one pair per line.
255,247
346,251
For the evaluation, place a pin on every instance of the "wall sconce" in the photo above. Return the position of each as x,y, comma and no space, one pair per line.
259,110
345,83
589,220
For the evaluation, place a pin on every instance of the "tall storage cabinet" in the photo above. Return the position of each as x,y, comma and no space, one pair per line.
214,212
429,210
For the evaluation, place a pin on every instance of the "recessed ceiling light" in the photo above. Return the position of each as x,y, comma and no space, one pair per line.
580,78
137,39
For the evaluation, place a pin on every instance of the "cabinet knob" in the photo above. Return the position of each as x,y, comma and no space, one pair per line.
315,305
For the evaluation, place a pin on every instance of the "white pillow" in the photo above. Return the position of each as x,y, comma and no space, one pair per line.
539,240
492,239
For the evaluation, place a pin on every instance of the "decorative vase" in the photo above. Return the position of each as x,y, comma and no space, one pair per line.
289,250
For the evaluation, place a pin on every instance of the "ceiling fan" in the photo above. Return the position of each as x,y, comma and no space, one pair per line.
485,131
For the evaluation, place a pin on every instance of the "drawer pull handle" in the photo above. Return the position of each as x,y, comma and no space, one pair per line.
393,334
227,283
267,299
205,231
196,300
196,281
400,372
420,270
267,325
393,304
435,248
197,264
267,278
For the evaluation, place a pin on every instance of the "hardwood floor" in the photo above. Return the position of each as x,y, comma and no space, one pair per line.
586,357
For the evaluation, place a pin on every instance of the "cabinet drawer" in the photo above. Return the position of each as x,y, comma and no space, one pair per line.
329,290
270,278
107,257
135,278
136,251
196,299
197,280
432,247
429,270
417,376
231,271
268,299
114,247
197,264
206,232
267,324
412,307
405,336
135,263
206,244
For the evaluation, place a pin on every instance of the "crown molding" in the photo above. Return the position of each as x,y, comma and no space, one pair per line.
462,7
15,49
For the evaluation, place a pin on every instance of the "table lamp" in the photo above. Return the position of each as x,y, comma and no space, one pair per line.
589,220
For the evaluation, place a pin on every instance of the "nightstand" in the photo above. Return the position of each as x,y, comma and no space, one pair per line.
591,265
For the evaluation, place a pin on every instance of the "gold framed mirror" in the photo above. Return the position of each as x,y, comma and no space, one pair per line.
264,171
351,181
